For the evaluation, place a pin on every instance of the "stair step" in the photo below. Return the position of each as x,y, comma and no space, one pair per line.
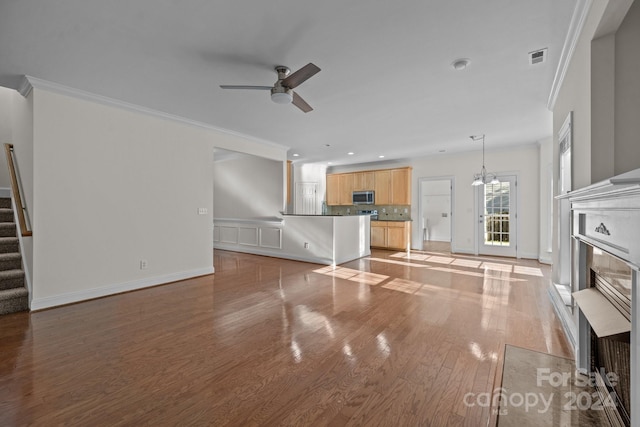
8,229
6,215
8,244
10,279
14,300
5,202
10,261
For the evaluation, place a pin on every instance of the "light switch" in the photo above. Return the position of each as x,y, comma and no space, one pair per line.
202,211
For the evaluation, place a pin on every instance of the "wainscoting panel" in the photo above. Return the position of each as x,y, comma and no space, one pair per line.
248,236
271,237
229,234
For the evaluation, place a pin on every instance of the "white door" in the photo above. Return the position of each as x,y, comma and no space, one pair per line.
436,209
497,209
306,198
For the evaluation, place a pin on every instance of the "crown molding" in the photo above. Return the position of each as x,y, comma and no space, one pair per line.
25,87
580,13
29,82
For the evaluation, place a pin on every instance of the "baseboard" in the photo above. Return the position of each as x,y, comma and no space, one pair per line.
5,192
569,327
71,297
462,251
526,255
545,260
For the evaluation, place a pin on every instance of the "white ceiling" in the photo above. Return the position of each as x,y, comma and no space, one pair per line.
386,86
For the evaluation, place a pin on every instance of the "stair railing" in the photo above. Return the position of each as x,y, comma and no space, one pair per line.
23,215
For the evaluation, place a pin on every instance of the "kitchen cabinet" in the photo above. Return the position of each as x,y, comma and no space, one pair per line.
364,181
391,186
333,190
346,189
383,187
401,186
378,234
391,234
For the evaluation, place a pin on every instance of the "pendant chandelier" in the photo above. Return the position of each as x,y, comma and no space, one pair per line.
483,177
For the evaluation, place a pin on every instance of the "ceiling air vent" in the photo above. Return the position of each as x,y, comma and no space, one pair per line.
538,56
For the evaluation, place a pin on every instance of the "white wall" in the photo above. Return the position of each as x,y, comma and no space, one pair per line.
627,92
22,130
112,187
248,186
545,243
522,161
6,135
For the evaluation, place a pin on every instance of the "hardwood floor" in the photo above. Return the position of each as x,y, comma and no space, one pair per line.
384,340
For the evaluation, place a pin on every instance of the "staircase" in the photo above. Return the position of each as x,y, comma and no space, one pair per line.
13,292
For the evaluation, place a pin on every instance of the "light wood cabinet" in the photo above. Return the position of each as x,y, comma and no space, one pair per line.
346,189
391,186
364,181
378,234
333,190
401,186
391,235
383,187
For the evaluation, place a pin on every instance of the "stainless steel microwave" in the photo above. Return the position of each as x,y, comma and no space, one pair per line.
363,198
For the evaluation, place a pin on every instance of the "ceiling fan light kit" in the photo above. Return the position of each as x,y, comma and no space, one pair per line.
282,90
283,97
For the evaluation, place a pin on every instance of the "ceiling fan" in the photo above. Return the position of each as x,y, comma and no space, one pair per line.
282,90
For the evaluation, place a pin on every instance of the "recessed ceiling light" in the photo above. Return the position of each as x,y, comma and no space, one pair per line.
381,157
329,163
460,64
350,153
295,154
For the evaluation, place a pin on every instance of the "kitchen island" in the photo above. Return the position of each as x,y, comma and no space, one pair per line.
322,239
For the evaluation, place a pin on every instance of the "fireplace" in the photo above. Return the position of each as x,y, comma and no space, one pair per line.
611,354
605,268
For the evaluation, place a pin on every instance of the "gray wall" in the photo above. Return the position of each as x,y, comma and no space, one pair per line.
627,92
247,186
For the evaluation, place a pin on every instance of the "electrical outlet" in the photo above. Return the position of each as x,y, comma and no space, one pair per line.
203,211
406,210
395,210
384,210
143,264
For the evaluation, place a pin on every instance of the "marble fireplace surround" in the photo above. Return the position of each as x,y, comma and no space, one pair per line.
606,215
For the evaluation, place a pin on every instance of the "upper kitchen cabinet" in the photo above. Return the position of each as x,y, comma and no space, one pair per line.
391,186
346,189
333,190
364,181
401,186
382,187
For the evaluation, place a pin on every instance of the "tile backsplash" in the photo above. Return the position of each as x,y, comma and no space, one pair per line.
385,212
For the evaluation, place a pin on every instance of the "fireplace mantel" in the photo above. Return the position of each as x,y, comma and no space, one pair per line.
606,216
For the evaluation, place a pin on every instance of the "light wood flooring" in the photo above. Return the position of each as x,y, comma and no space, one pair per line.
384,340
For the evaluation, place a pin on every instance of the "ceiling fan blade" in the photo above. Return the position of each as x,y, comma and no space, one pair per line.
301,103
295,79
246,87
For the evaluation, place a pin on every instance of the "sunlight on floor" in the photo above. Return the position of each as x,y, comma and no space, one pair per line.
488,270
367,278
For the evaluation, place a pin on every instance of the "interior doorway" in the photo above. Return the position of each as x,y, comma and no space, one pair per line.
436,213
